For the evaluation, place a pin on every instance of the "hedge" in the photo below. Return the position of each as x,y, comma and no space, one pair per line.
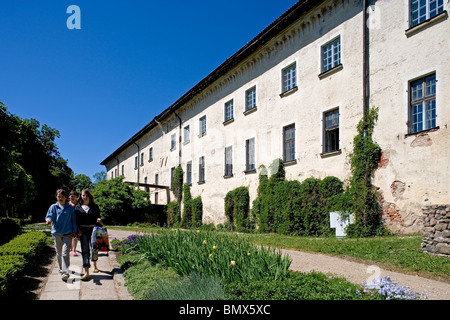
9,228
16,256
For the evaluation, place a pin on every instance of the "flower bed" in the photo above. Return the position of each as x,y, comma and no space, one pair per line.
243,270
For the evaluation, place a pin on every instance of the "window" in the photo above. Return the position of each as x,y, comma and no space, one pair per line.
136,162
189,172
228,161
250,99
289,143
289,81
331,54
156,178
201,169
187,134
115,173
112,175
422,10
250,154
150,154
142,159
422,106
173,141
229,111
331,131
202,123
123,170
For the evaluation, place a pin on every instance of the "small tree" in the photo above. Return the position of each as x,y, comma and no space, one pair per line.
120,203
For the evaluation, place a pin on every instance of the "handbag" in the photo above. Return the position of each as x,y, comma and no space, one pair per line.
99,239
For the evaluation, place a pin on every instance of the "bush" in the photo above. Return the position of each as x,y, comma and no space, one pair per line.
11,268
16,256
120,203
237,208
197,212
173,214
291,207
26,245
296,286
9,228
186,220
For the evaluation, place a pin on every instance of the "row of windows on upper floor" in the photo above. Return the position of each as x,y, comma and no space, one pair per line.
422,116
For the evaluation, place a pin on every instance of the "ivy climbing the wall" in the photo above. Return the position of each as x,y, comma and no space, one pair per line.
361,196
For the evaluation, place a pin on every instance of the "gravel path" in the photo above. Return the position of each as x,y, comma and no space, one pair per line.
355,272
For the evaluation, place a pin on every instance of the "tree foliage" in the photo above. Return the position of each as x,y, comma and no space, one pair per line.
32,167
120,203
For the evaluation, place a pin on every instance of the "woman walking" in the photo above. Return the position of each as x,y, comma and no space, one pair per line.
61,216
88,216
73,200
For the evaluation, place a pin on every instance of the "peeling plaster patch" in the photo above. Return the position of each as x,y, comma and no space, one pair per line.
422,140
397,189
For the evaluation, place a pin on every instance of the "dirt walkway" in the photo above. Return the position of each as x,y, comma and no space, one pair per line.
355,272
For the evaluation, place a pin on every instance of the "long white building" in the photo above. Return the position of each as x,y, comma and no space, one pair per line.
297,91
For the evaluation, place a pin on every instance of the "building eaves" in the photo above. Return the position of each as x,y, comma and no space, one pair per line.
275,28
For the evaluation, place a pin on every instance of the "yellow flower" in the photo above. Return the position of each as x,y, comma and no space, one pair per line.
198,231
248,253
210,255
204,241
214,247
233,263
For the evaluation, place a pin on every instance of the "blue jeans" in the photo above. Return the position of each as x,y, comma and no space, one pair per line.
86,247
62,246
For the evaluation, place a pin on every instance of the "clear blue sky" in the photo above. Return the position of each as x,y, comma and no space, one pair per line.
129,61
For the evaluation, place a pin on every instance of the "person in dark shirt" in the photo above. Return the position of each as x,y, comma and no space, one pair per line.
88,216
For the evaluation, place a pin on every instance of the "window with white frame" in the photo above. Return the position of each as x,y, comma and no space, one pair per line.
202,126
422,105
189,172
201,169
229,109
250,154
331,131
250,99
187,134
173,141
422,10
228,161
289,143
331,54
289,77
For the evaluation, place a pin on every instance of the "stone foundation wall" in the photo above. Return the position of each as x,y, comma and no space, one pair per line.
436,229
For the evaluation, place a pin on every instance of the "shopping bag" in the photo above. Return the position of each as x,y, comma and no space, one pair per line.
100,240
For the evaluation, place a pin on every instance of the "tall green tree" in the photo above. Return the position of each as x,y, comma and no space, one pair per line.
32,167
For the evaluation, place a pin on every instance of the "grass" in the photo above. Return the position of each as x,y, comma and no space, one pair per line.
398,253
173,265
